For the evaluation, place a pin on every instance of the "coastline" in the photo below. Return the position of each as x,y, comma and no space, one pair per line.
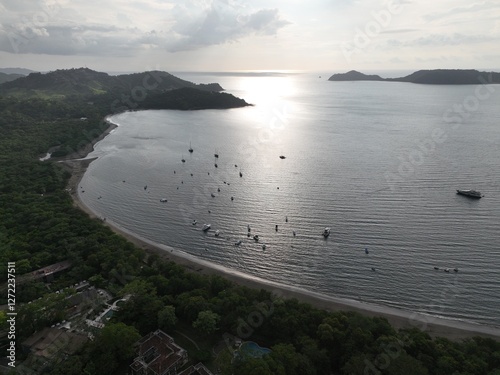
434,326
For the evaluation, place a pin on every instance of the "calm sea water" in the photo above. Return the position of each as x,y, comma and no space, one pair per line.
379,163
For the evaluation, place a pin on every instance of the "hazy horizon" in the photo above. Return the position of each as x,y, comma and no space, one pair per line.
237,35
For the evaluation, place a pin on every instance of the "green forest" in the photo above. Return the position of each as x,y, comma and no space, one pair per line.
40,226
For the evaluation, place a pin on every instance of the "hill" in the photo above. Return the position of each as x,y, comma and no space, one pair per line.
430,77
188,98
20,71
6,77
353,75
84,81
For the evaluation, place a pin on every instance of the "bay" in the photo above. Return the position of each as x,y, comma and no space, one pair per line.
377,162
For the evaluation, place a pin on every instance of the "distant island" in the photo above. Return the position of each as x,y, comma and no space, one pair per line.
430,77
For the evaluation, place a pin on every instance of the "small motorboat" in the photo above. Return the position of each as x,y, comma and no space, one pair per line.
366,250
248,228
326,232
232,198
286,219
194,222
190,148
217,233
373,269
218,190
470,193
282,157
294,234
145,187
212,195
264,247
276,228
206,227
436,268
241,174
238,243
446,270
163,200
455,269
256,238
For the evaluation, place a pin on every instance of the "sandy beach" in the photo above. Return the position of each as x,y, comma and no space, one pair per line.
435,326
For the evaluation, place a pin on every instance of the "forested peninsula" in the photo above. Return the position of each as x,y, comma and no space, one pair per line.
205,314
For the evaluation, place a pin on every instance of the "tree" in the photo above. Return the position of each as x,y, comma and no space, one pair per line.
207,321
116,340
167,318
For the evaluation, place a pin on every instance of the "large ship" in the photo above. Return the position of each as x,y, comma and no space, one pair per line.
470,193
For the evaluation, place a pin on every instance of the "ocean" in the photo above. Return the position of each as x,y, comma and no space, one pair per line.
376,162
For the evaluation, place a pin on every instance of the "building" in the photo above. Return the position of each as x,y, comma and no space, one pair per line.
198,369
53,344
158,354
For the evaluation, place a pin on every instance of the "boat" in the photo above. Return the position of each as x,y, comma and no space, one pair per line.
194,222
455,269
264,247
216,154
436,268
232,198
248,227
217,233
163,200
366,250
470,193
190,148
183,160
241,174
446,270
238,243
256,238
213,195
218,190
326,232
294,234
286,219
206,227
282,157
145,187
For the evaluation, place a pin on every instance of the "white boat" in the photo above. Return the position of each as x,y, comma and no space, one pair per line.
326,232
217,233
163,200
206,227
470,193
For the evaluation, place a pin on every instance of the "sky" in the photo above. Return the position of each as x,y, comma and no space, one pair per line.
239,35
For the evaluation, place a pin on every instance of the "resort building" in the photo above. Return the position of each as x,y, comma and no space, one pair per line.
158,354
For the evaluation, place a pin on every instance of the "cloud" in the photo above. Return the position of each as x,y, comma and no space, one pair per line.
440,40
468,9
187,25
220,23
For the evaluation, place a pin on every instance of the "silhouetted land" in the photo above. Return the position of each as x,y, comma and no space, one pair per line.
431,77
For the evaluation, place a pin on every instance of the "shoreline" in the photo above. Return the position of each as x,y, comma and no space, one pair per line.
434,326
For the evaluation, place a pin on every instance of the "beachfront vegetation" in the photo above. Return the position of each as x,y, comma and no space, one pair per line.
41,226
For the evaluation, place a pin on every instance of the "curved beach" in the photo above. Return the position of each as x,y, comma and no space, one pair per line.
435,326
